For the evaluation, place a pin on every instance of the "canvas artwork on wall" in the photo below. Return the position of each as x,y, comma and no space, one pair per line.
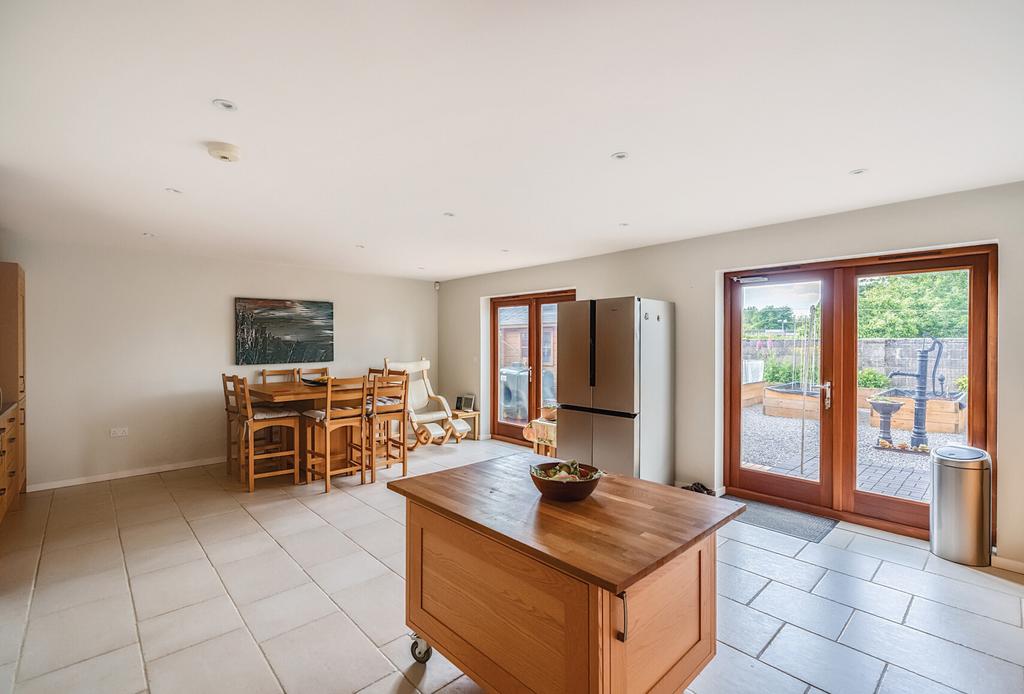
280,331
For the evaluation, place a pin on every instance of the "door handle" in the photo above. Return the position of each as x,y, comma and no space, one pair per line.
826,387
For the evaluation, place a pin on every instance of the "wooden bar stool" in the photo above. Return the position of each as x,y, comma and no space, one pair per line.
388,396
255,419
345,407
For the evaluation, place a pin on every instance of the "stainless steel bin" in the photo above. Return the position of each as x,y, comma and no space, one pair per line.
961,510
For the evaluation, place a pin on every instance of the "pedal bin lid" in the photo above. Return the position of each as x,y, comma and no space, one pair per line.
963,457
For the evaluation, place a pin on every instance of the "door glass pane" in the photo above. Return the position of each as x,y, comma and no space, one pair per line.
912,343
514,364
781,353
548,353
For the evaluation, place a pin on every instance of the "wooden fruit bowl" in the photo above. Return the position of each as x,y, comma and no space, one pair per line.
566,490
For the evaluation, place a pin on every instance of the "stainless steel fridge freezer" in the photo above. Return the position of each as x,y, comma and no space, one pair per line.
616,385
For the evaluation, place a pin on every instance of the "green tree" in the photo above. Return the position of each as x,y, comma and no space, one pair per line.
759,320
926,304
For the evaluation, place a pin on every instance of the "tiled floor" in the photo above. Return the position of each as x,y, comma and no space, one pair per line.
181,582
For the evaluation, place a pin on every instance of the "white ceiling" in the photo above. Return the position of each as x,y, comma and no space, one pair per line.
363,122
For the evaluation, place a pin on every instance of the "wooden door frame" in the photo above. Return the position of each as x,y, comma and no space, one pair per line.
770,484
982,369
533,302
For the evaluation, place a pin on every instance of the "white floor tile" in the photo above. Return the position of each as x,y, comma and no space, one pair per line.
810,612
261,576
826,664
166,590
968,629
188,626
69,636
837,537
894,552
318,545
864,596
377,606
770,565
840,560
932,657
990,603
732,672
228,664
987,577
116,672
328,655
379,538
346,571
762,537
745,628
287,610
395,683
899,681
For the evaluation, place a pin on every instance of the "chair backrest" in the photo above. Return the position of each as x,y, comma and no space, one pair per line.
346,397
321,371
230,394
420,391
389,393
279,375
373,372
242,396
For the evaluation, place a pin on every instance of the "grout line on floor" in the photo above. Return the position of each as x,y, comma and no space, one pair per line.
32,594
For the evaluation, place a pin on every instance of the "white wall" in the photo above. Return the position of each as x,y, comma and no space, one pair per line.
139,339
689,273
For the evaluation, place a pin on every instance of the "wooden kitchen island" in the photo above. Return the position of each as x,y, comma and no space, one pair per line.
615,593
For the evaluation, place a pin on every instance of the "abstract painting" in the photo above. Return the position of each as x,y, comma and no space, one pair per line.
280,331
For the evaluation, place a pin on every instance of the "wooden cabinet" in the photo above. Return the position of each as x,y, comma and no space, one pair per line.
12,385
612,594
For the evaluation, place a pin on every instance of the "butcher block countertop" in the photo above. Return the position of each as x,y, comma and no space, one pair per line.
624,531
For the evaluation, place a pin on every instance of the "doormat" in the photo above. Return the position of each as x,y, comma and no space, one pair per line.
785,520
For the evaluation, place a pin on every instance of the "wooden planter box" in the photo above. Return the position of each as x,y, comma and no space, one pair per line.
941,417
751,393
793,405
863,394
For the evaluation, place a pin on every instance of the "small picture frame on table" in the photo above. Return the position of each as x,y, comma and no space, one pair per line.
465,402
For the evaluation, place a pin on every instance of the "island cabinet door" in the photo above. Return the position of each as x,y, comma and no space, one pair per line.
510,622
670,633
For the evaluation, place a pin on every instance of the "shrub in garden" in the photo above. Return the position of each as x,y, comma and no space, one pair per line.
872,378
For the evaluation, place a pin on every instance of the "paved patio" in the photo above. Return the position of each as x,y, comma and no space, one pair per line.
773,444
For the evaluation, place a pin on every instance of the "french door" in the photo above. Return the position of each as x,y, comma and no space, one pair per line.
842,377
524,359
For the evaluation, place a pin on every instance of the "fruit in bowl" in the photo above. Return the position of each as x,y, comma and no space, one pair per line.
565,480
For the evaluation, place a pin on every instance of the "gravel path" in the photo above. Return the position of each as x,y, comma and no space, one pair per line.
773,444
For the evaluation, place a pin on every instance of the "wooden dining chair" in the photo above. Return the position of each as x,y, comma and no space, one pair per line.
256,419
279,375
321,372
344,408
232,417
389,394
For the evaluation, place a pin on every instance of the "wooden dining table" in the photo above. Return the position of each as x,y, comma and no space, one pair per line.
294,392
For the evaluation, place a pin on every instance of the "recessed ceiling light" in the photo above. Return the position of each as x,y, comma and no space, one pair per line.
504,250
148,235
449,214
420,267
620,155
857,172
224,104
360,245
623,224
173,190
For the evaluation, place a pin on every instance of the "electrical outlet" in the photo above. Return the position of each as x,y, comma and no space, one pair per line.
119,432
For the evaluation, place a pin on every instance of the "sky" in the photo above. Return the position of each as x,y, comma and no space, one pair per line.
799,296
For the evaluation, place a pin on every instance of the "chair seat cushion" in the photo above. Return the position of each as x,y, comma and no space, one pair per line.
430,416
320,415
272,412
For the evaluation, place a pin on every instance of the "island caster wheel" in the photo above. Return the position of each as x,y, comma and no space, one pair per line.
421,650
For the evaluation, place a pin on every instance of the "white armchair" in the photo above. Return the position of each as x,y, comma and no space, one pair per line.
429,413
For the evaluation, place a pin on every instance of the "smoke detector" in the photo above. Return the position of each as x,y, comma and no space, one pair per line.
223,151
